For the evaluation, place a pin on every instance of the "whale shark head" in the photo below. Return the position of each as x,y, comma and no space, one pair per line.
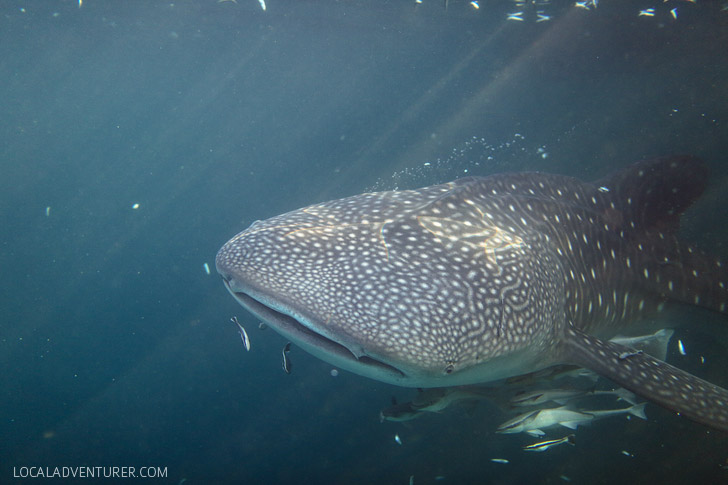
417,288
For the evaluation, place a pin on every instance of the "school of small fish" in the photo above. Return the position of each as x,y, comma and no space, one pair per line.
531,391
559,397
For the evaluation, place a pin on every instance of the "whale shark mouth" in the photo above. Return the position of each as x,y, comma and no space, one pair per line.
314,342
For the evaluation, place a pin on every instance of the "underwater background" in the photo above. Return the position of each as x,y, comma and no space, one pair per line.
136,137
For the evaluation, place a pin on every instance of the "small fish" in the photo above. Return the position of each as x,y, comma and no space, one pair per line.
243,333
432,400
654,344
436,400
399,412
48,211
535,421
681,347
627,354
397,439
561,396
545,445
287,366
552,373
206,267
499,460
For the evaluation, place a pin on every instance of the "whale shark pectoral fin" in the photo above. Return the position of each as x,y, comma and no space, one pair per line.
650,378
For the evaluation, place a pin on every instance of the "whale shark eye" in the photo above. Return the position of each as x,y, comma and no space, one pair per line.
449,368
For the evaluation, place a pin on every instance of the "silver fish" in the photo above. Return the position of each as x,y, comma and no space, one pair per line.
243,333
535,398
399,412
486,278
562,396
287,366
534,422
437,400
553,373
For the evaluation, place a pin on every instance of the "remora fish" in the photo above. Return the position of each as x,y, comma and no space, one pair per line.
432,401
486,278
399,412
655,344
562,396
542,396
437,400
534,422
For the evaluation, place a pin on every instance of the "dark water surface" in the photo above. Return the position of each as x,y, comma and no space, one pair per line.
116,347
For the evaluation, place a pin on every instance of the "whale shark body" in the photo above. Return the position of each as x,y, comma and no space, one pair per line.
485,278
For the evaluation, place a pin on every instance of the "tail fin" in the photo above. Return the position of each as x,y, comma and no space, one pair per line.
638,411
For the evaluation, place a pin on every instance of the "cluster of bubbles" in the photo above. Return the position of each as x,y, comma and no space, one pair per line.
476,156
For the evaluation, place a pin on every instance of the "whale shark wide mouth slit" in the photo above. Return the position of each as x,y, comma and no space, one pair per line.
290,326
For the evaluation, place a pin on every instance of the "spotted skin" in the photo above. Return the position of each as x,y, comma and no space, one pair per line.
486,278
651,378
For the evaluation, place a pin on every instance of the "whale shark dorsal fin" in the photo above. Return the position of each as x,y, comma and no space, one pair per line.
650,378
659,190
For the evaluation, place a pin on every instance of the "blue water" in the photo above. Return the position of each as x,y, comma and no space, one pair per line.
116,347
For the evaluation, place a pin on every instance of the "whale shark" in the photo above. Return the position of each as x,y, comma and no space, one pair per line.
486,278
